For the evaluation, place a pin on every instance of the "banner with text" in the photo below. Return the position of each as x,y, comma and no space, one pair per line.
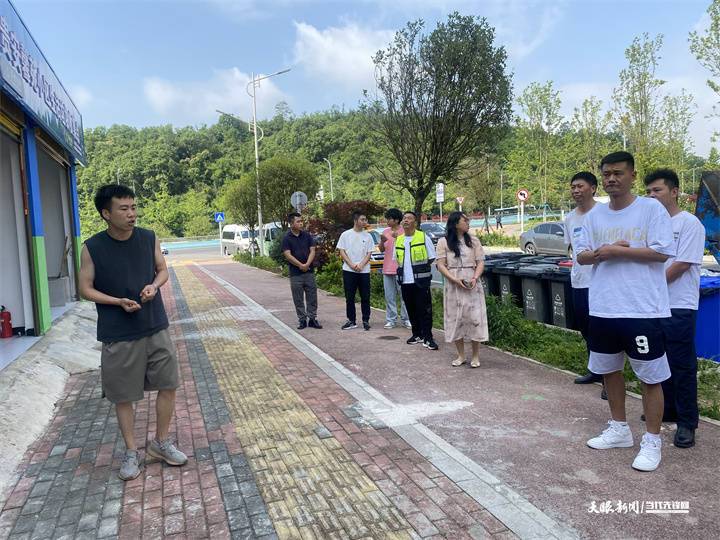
27,76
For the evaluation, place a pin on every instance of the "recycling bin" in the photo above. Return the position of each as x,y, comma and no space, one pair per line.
489,279
534,291
707,330
561,305
509,282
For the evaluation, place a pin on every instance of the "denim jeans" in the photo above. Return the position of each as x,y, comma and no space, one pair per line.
392,289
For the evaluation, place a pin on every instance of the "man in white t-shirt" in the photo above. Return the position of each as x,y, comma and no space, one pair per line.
683,278
627,241
583,186
355,246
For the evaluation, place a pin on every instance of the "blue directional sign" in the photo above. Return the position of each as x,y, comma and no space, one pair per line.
219,217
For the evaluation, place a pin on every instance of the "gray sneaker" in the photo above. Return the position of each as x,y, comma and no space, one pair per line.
166,451
130,468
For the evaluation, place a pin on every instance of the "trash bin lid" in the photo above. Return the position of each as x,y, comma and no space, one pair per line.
509,267
510,255
535,270
558,273
709,285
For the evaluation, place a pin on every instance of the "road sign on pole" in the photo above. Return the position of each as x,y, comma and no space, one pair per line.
522,196
440,192
299,200
460,200
219,218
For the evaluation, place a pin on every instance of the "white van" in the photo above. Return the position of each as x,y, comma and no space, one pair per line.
235,239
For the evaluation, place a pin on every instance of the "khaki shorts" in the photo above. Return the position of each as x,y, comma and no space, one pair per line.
130,368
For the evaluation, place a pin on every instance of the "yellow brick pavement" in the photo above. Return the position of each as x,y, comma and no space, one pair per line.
312,487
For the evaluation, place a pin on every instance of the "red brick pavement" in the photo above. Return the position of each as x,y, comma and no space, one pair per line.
428,499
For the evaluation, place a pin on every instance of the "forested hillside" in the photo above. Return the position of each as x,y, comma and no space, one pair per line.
183,175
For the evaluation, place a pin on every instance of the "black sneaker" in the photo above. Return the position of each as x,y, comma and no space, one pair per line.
589,379
414,340
301,324
348,325
312,323
366,326
430,344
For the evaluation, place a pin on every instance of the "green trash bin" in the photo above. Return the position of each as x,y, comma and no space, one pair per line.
534,290
561,305
489,278
509,281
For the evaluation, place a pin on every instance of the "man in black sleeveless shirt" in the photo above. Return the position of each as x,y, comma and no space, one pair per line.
122,270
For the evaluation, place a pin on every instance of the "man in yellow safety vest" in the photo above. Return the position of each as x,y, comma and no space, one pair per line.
414,252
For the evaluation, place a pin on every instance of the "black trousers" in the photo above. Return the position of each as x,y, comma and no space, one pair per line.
581,312
680,389
352,281
418,302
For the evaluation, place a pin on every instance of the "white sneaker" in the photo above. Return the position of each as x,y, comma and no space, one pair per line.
407,324
389,325
649,456
613,437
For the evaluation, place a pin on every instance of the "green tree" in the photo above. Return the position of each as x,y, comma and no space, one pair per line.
279,178
239,200
678,113
637,101
713,160
591,125
444,95
537,130
706,48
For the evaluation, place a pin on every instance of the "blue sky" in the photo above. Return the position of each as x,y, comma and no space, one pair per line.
174,62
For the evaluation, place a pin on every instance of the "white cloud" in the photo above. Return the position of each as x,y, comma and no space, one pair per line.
342,55
522,28
521,25
573,95
81,96
256,9
195,101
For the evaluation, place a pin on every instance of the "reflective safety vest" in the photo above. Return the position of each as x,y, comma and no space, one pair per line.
418,258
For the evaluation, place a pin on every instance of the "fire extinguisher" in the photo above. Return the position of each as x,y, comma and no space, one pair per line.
6,324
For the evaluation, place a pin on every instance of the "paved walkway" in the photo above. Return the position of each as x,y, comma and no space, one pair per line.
330,434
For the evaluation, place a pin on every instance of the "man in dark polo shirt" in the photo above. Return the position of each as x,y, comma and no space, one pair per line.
298,246
122,270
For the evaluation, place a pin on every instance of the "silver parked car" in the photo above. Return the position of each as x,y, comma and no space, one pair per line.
545,239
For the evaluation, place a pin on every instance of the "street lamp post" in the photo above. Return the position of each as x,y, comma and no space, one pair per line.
332,195
255,83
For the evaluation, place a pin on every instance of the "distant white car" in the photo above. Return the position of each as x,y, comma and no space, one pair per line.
164,250
545,239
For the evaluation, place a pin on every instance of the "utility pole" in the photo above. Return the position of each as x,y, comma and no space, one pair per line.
255,82
117,176
501,188
332,195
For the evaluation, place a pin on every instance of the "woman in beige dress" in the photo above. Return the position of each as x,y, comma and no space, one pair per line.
460,258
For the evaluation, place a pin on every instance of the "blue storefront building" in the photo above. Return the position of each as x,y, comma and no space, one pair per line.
41,143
